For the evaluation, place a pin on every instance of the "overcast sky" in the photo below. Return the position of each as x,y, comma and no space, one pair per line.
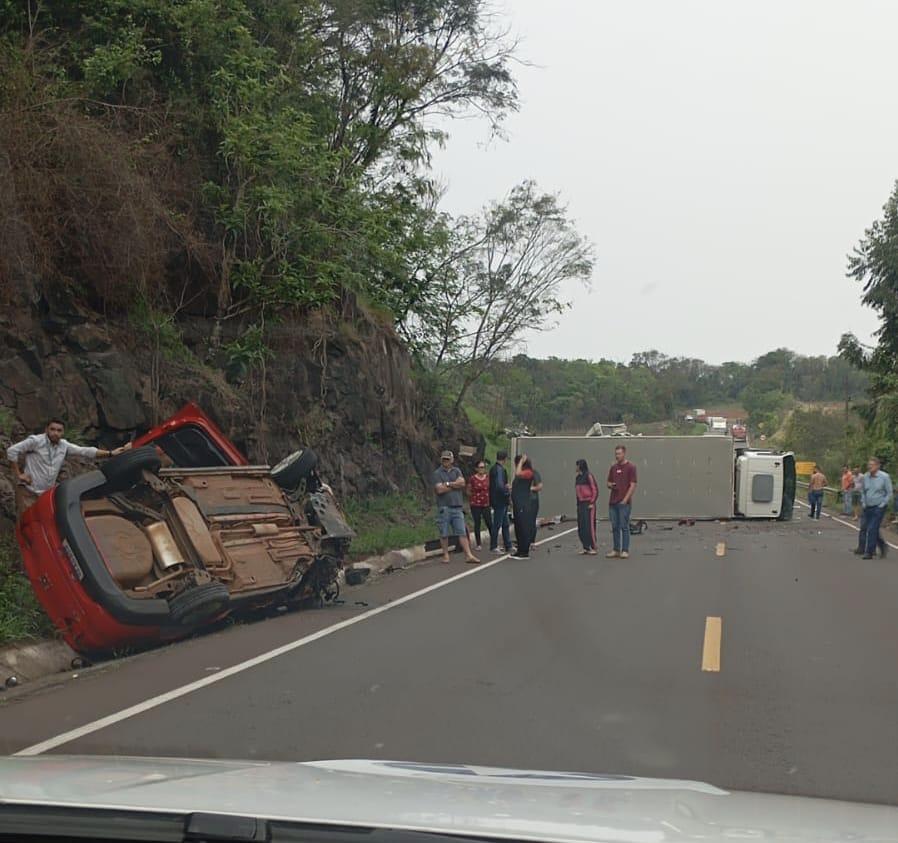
723,157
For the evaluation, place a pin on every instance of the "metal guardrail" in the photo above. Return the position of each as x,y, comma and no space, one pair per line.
830,494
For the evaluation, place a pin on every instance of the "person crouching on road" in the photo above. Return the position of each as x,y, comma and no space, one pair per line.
622,483
448,485
479,496
520,503
587,491
43,455
876,494
816,487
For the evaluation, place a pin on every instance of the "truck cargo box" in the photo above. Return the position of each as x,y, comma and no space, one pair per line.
679,476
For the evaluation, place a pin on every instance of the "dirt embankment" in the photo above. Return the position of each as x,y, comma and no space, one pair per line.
342,385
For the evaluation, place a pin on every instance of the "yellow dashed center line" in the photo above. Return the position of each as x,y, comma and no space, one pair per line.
711,648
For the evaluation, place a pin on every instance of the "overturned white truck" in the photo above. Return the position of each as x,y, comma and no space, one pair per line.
702,477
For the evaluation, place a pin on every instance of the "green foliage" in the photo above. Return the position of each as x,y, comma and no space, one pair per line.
874,263
249,349
292,136
160,329
7,420
20,615
389,522
113,64
568,396
830,439
497,276
496,440
765,406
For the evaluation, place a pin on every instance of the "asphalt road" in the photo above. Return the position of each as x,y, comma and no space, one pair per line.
560,662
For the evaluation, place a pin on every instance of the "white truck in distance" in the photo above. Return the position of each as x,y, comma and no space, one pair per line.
717,425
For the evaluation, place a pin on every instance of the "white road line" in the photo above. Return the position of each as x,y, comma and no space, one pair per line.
841,521
168,696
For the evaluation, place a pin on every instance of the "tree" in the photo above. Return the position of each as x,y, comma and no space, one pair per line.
764,406
500,276
395,62
874,263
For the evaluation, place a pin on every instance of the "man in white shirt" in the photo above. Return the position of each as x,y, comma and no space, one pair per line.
44,454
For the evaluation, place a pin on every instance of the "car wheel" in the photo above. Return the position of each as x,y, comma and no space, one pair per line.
123,471
292,470
199,604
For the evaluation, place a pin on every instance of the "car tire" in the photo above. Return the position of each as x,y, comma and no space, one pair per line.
199,604
123,471
292,470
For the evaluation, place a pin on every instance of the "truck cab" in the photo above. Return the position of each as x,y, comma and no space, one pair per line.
765,484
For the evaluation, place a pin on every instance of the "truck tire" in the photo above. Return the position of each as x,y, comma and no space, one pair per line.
123,471
292,470
199,604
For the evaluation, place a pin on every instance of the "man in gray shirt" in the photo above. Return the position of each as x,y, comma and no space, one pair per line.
876,494
448,485
44,454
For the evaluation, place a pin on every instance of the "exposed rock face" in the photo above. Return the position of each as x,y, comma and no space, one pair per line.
344,388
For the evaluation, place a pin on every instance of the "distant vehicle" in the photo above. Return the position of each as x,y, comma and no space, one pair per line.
599,429
689,418
520,430
739,431
717,425
135,553
699,414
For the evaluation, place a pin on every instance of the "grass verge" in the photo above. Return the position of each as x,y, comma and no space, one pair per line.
20,615
389,522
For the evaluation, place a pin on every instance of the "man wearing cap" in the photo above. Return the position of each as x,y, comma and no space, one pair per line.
449,484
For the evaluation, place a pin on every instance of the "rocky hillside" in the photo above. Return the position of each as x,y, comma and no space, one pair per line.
342,385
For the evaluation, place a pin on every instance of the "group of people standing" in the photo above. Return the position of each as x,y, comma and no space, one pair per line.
495,493
491,495
865,496
621,482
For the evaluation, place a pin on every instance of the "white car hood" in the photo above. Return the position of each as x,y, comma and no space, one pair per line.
454,799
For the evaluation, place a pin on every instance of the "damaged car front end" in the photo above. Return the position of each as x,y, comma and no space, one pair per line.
144,550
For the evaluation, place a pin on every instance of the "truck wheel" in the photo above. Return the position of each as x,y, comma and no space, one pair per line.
292,470
123,471
199,604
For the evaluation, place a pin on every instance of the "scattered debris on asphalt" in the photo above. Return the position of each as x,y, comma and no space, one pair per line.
356,576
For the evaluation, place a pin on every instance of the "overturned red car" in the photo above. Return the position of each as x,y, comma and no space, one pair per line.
176,533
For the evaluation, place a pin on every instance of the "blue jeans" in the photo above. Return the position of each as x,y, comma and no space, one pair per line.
868,538
500,519
619,515
815,499
846,502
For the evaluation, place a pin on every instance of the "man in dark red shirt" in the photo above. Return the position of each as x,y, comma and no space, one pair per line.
622,482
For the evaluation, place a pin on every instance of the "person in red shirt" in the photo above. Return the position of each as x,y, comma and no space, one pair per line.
587,491
622,483
479,495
